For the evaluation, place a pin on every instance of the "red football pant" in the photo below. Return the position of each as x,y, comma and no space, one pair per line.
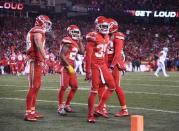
20,66
66,80
98,74
13,68
119,91
35,76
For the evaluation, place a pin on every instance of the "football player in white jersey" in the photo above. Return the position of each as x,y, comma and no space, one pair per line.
161,62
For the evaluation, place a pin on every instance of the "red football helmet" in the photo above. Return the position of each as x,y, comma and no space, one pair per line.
44,21
74,32
113,25
102,25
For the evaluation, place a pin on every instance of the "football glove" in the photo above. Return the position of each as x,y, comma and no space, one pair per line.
70,69
88,76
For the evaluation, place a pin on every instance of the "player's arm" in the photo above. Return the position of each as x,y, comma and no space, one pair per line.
63,52
118,43
89,52
64,59
39,44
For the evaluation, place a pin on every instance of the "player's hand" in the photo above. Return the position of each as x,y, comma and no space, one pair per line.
111,67
121,67
70,69
88,76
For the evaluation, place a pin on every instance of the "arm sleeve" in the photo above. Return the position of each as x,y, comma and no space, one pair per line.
118,49
89,51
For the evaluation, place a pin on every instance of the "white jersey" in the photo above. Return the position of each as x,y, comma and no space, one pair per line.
80,57
163,57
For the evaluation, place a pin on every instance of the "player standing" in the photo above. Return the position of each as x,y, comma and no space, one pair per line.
71,45
115,63
161,62
36,54
96,67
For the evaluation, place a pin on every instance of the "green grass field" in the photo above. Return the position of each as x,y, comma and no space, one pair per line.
157,99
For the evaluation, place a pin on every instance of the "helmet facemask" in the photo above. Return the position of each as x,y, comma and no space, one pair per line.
103,28
75,34
48,26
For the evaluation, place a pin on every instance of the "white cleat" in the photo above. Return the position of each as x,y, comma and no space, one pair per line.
156,74
166,75
62,112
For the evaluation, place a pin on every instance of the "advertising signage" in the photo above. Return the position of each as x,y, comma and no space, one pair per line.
11,6
159,14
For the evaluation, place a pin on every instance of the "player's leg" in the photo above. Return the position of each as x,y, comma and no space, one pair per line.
101,91
158,68
74,86
36,85
111,87
30,95
64,82
92,95
76,65
164,69
120,93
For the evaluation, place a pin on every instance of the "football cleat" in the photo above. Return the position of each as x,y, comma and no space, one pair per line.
68,109
105,110
38,115
91,119
156,74
30,117
101,113
121,113
61,111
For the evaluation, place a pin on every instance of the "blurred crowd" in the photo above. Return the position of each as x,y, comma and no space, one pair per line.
142,44
116,5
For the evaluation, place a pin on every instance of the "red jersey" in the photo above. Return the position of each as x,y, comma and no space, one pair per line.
72,50
115,48
13,59
20,57
32,51
95,49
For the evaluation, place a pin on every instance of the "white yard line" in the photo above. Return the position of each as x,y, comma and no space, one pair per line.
127,92
84,104
145,85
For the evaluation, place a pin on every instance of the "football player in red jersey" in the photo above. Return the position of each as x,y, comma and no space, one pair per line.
13,63
116,64
36,57
71,45
96,67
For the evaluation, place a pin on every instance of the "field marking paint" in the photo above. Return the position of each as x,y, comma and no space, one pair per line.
127,92
145,85
84,104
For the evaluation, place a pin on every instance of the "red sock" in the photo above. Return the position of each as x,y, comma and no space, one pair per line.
70,96
104,98
121,96
91,102
36,90
101,91
61,95
29,99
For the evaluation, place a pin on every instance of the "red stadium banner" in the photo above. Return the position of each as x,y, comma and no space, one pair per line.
11,6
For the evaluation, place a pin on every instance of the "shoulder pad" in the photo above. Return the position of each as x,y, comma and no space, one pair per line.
119,35
67,40
37,30
92,36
